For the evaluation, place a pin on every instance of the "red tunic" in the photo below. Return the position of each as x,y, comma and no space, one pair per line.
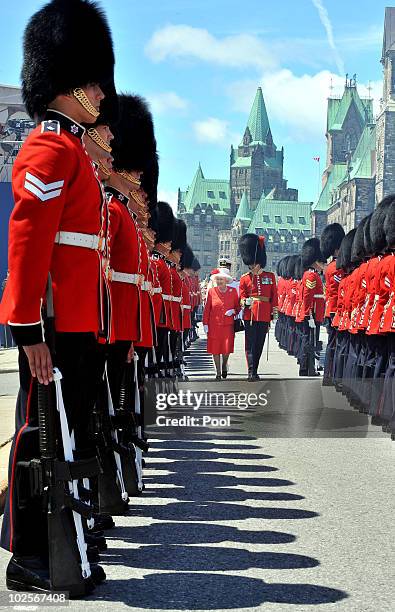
312,298
176,293
281,285
387,321
186,303
147,323
349,292
165,283
292,297
382,288
340,301
221,333
332,280
261,285
124,258
157,300
55,189
370,291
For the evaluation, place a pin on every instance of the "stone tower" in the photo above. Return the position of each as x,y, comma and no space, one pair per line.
385,144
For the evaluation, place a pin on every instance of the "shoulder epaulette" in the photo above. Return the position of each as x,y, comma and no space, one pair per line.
51,125
245,274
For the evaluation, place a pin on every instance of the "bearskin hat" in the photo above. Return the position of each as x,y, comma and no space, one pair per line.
291,263
331,239
279,267
165,222
343,260
149,181
179,240
196,264
376,229
67,44
153,220
134,144
187,257
299,268
358,252
311,252
252,250
389,226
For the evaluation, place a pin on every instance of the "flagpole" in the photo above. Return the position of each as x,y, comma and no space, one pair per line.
319,178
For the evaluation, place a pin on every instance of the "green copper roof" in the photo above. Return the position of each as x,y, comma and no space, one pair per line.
338,108
258,122
243,212
335,178
242,162
204,191
280,215
362,162
271,162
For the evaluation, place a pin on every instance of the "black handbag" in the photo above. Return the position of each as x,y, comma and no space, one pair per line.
238,325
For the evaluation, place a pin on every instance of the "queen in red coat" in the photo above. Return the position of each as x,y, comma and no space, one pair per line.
222,304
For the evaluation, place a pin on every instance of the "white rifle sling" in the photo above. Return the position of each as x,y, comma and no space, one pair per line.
114,435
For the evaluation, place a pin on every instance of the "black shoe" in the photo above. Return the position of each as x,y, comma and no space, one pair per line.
218,377
104,521
98,574
93,539
32,574
224,373
92,552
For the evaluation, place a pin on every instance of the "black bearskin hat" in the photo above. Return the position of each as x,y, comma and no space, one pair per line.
389,226
149,181
311,252
331,239
67,44
196,265
366,237
153,220
187,257
291,263
280,267
165,222
343,260
376,230
299,268
358,252
179,241
252,250
134,144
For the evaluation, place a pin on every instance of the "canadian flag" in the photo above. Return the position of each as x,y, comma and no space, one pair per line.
317,159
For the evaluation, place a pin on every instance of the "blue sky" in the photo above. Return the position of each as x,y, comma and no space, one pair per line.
199,63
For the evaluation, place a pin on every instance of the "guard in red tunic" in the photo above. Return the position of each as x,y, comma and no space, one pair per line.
312,309
164,235
330,242
186,304
258,297
177,246
56,229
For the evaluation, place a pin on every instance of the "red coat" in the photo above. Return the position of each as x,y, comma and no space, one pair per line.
348,301
387,321
292,297
186,303
175,304
281,285
312,298
382,288
332,280
340,301
165,283
261,286
124,257
370,275
157,300
147,320
55,189
220,327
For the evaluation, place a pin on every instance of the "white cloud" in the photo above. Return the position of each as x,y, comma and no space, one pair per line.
186,42
167,195
211,130
298,103
167,101
326,22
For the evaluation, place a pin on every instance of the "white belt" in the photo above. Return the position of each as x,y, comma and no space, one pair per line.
146,286
319,295
176,299
124,277
167,297
157,290
187,306
86,241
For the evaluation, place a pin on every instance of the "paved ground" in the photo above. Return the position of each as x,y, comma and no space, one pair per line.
290,507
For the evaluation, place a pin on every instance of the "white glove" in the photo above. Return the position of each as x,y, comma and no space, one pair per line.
311,323
230,312
205,328
248,301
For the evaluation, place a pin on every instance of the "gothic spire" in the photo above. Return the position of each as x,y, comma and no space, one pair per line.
258,122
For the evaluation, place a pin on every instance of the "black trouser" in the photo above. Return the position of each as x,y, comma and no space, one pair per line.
308,346
330,351
255,335
116,358
24,530
162,350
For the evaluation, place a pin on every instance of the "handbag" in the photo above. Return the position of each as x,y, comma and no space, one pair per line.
238,325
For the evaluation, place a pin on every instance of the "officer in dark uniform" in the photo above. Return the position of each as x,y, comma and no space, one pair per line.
258,297
55,228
